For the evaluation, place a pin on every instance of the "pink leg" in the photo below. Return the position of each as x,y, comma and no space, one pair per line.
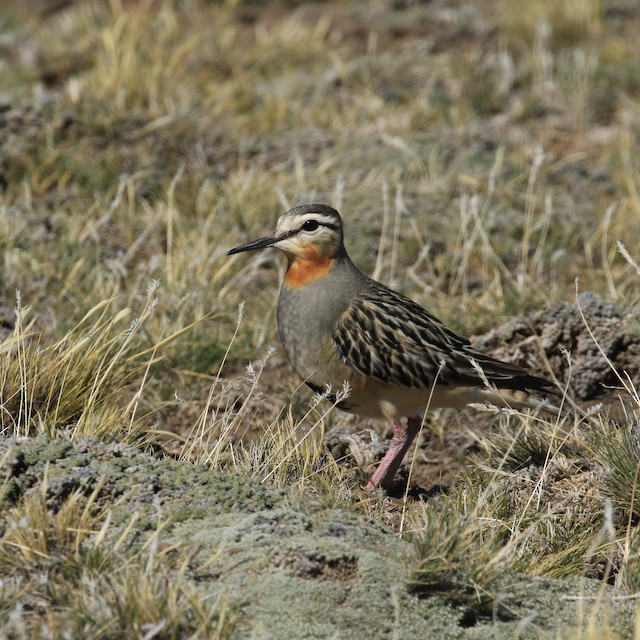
400,443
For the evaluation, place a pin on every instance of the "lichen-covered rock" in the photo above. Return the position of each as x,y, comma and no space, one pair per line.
184,490
286,571
585,344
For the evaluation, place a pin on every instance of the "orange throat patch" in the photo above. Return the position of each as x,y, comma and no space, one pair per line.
306,269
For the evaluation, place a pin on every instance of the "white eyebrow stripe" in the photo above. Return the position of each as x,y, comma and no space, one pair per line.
327,221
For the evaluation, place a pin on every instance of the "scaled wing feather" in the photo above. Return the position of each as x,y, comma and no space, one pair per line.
389,337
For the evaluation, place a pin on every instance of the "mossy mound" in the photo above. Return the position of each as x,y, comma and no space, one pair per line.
285,571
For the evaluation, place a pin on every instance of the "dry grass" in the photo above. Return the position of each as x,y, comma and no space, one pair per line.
90,382
63,573
482,164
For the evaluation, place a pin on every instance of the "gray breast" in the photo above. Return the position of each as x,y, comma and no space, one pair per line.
307,317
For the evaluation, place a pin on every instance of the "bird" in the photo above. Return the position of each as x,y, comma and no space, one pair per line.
342,329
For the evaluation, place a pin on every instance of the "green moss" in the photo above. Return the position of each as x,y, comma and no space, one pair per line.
185,490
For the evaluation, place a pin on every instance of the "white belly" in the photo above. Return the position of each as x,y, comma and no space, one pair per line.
378,399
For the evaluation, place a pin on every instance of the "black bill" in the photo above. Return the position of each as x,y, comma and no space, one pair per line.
261,243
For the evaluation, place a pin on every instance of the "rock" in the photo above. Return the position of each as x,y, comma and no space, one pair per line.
585,352
284,572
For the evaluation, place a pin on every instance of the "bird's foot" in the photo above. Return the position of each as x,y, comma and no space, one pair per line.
400,443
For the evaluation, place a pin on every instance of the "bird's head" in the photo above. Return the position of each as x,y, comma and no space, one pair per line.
308,232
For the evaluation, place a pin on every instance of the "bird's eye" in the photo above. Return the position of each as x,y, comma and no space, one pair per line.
310,225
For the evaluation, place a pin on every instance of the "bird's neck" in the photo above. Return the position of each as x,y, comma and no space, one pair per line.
306,268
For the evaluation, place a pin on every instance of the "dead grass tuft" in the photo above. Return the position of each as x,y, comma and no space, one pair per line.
62,572
88,383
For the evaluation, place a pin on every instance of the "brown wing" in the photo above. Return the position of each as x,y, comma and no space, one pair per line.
389,337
